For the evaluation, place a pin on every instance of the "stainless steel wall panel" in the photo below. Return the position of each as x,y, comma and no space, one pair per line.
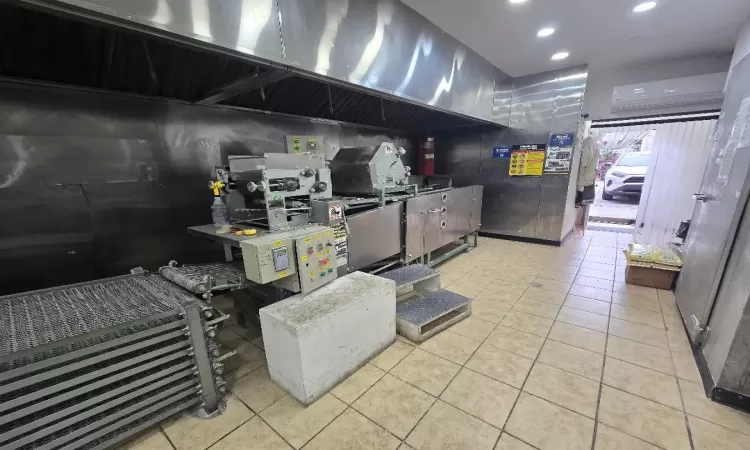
85,205
502,99
380,45
537,105
375,235
475,220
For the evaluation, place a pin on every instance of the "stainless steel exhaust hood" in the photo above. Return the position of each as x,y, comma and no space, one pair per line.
381,45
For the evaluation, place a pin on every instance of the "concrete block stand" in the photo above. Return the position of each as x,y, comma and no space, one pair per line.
314,341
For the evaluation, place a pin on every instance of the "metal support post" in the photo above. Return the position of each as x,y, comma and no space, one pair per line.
202,360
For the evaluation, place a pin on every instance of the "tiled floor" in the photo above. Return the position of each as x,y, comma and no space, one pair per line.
559,354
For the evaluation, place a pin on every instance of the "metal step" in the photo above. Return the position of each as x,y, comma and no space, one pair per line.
423,316
413,280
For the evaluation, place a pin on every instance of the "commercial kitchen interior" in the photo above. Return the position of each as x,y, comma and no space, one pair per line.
287,224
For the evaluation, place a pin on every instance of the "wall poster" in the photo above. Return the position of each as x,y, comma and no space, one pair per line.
559,153
527,160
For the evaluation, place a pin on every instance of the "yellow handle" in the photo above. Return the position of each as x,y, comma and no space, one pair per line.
216,187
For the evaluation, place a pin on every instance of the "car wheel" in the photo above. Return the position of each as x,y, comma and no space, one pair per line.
606,196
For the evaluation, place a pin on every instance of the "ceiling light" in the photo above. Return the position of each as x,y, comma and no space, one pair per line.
559,56
544,32
644,7
670,91
638,90
517,1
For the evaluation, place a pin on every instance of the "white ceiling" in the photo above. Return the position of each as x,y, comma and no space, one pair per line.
595,32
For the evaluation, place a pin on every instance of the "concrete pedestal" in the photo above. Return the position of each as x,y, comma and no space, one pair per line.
314,341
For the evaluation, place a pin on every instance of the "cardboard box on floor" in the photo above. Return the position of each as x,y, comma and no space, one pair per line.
650,277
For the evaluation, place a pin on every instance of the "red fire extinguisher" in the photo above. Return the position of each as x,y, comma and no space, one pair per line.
426,164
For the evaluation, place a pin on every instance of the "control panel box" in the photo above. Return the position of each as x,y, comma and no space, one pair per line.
316,258
308,253
268,258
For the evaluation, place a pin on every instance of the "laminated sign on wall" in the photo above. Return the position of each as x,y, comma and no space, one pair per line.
559,153
527,160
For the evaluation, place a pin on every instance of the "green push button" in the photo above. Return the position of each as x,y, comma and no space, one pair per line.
322,274
330,270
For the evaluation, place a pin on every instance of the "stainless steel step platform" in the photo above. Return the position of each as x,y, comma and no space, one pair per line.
423,316
413,280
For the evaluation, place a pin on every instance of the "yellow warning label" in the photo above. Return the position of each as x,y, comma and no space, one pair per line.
317,236
328,251
320,255
308,240
327,234
303,258
278,244
283,273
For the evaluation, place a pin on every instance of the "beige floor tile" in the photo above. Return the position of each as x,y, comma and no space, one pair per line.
252,435
249,332
229,339
488,311
391,356
508,442
298,423
551,285
537,293
152,439
642,382
467,288
351,430
247,359
697,404
190,433
640,354
584,338
548,426
674,323
257,390
359,382
481,396
258,342
632,289
591,292
508,288
484,272
669,307
636,301
473,328
563,274
394,405
405,447
583,319
587,304
426,371
515,341
685,367
598,266
500,365
445,427
518,278
573,359
708,436
537,308
607,260
527,322
607,438
605,274
637,332
497,298
655,423
678,342
652,319
582,280
451,346
563,388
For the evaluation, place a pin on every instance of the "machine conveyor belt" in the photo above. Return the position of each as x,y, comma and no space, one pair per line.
202,278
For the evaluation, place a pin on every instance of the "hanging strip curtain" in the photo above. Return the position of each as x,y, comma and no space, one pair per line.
621,138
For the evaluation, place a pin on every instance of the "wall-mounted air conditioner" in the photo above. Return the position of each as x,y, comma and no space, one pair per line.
699,90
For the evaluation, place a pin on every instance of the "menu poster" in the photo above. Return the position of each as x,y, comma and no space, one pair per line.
527,160
559,153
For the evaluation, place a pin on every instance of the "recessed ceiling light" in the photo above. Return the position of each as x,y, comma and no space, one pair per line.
517,1
560,55
670,91
544,32
638,90
644,7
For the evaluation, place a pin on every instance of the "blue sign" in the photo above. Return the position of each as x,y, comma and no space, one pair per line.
501,153
561,140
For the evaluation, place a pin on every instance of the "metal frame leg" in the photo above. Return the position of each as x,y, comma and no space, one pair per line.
228,253
202,360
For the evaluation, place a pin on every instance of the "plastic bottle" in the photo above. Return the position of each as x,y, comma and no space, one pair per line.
220,212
